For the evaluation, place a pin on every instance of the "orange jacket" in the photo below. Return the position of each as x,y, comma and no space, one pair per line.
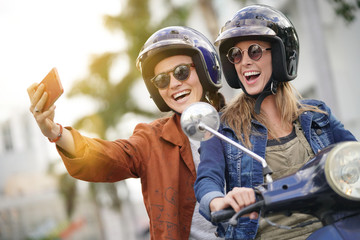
160,155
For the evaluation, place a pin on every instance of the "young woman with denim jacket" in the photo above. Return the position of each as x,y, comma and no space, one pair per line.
259,53
179,66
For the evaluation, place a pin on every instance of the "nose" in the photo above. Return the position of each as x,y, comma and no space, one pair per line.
174,83
246,59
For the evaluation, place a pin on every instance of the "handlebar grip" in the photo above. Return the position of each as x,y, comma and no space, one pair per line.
222,215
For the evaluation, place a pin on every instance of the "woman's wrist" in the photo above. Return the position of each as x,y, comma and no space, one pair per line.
57,133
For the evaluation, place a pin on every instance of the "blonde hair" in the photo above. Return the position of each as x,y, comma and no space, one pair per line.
239,113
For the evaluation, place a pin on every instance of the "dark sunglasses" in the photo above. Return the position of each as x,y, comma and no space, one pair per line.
255,51
180,72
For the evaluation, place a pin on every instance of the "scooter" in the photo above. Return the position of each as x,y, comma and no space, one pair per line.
327,186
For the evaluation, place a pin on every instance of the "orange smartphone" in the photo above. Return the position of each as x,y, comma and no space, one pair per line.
53,87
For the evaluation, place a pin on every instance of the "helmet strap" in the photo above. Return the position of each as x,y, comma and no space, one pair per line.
270,88
260,99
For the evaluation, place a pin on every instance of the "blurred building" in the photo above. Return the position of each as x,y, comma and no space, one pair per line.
30,204
328,58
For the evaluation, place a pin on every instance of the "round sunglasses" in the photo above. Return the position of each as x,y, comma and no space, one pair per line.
180,72
255,51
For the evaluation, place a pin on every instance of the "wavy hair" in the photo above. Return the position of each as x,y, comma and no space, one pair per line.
240,111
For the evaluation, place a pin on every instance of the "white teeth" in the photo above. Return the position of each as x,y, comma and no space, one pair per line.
179,94
248,74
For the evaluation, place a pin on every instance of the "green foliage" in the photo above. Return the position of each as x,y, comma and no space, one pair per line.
346,9
136,24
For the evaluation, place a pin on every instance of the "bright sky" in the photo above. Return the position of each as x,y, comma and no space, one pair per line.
37,35
40,34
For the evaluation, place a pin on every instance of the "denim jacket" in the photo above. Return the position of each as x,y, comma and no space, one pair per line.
225,166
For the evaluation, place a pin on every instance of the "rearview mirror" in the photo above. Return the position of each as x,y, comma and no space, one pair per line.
199,113
200,121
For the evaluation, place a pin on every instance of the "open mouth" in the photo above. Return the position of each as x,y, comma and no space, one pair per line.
181,95
251,75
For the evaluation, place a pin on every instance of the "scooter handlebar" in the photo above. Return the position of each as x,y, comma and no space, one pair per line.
222,215
230,215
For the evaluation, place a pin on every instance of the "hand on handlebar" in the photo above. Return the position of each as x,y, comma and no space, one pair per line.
237,198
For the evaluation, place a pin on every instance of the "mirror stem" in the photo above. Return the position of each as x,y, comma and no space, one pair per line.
202,126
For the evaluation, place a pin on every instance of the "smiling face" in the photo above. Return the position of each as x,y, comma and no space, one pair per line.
254,74
179,94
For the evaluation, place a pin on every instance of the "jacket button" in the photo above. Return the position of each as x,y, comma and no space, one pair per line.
318,131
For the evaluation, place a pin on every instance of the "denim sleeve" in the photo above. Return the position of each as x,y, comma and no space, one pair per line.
337,129
339,132
210,180
204,208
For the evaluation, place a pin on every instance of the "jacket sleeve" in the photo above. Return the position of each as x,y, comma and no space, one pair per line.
210,180
335,132
98,160
339,132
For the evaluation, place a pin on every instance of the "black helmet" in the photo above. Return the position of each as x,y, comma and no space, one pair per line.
264,23
179,40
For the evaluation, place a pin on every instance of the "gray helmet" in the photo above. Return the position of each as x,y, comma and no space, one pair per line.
179,40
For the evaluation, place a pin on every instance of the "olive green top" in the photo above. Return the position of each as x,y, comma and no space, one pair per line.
285,156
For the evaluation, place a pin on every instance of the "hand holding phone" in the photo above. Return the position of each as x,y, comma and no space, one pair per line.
53,88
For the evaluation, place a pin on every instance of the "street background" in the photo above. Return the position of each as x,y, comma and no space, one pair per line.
93,50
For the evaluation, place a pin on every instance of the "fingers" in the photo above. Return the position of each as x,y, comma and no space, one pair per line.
239,198
217,204
230,200
45,121
40,104
35,93
31,90
42,116
38,97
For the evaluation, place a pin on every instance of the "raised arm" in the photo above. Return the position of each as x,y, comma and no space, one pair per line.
45,119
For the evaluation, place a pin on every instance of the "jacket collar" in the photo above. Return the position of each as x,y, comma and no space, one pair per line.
172,131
